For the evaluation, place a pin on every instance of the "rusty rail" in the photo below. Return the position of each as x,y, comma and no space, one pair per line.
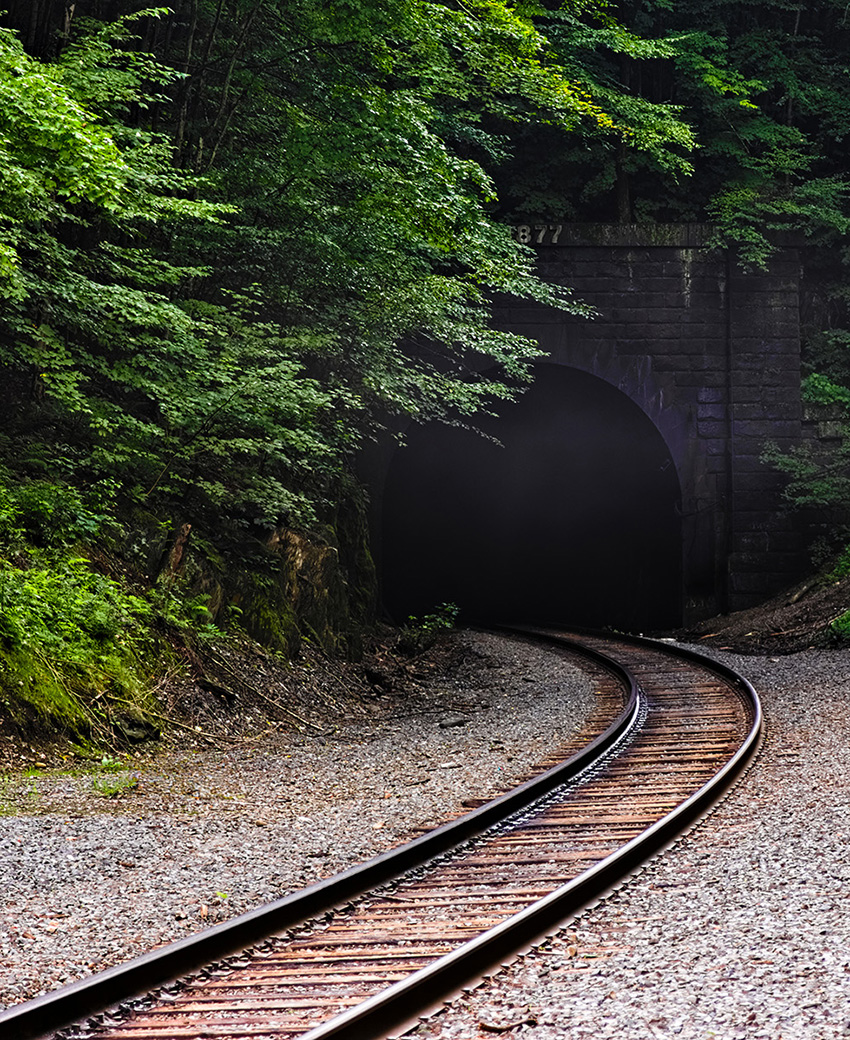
60,1008
469,899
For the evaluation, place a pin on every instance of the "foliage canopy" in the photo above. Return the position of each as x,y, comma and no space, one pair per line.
239,237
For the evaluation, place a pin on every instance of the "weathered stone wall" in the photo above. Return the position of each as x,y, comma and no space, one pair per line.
711,353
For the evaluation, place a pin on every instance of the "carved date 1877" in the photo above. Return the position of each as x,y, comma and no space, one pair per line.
538,234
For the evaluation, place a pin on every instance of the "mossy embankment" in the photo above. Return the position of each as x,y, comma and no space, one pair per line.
100,599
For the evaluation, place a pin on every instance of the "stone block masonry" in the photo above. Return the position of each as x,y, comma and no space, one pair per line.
711,353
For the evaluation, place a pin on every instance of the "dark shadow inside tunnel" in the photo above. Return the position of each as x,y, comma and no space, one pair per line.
575,518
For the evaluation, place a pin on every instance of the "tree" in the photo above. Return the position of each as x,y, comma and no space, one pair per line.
322,256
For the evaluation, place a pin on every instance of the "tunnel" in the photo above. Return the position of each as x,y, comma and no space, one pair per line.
574,516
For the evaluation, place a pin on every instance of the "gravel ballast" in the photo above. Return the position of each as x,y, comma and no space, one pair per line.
194,836
741,931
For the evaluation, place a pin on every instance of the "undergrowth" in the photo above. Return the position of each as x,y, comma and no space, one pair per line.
840,627
839,569
77,647
420,633
840,566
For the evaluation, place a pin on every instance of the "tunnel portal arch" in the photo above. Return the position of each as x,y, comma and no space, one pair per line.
575,517
710,352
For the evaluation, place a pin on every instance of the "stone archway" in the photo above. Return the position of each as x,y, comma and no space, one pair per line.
711,353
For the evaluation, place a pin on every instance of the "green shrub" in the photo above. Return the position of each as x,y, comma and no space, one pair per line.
188,616
841,567
840,627
443,617
60,605
68,637
49,514
419,633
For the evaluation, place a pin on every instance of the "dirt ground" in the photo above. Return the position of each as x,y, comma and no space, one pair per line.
227,693
231,693
797,619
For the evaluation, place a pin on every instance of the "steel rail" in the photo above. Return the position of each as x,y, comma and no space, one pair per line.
52,1011
402,1005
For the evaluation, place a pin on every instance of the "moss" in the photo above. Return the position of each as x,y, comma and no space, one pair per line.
39,698
355,556
266,613
43,697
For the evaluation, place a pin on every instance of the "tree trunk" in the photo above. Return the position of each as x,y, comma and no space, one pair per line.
174,560
624,193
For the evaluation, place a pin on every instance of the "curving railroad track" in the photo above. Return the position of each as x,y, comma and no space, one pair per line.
365,954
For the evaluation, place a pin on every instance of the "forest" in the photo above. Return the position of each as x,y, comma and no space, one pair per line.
240,239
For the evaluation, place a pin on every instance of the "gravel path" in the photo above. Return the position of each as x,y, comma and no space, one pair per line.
195,836
741,931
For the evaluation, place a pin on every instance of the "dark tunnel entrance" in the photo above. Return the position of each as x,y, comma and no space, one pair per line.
575,519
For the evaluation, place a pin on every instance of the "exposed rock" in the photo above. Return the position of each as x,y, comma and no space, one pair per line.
134,729
453,720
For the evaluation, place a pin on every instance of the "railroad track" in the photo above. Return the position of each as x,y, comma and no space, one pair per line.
365,954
